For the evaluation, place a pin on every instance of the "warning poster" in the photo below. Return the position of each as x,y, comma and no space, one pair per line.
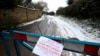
47,47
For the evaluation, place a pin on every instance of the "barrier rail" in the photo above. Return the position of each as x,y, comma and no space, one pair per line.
19,37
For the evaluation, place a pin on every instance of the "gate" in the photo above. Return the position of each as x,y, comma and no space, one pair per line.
19,37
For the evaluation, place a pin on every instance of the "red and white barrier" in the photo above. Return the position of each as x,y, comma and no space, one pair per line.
83,48
18,36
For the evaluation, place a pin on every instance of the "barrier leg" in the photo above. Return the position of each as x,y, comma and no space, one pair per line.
17,48
5,44
29,47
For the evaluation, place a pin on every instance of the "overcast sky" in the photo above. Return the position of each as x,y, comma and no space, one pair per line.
53,5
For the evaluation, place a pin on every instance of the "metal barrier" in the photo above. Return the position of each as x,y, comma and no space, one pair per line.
73,45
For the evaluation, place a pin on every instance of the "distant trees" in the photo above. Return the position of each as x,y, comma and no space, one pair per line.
39,5
6,4
70,1
81,9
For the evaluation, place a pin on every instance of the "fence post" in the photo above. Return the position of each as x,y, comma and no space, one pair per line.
17,48
5,44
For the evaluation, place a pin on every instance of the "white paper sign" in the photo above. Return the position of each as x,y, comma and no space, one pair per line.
47,47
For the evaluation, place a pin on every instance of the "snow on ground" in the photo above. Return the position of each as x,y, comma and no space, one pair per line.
91,34
63,27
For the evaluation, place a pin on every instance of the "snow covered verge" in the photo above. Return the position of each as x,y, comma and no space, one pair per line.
87,27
